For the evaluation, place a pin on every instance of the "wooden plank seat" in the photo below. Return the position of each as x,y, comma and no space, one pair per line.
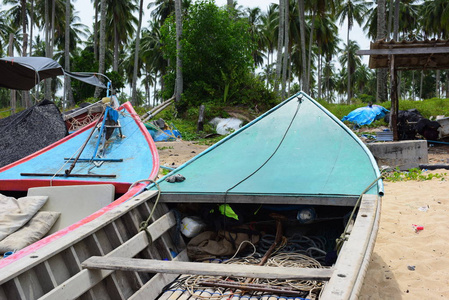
194,268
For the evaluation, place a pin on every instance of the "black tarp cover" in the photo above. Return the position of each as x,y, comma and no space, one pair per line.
29,131
23,73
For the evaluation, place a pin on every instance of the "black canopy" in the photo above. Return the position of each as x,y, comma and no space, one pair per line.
23,73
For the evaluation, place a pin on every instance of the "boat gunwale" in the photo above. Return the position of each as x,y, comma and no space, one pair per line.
333,200
355,253
44,249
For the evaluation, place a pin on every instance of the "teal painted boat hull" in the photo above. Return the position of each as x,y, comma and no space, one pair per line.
297,149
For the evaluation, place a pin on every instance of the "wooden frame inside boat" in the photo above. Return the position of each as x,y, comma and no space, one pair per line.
68,267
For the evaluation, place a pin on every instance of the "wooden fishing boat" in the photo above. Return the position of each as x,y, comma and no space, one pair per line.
297,160
88,172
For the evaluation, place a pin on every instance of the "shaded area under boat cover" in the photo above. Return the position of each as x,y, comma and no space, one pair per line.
297,148
29,131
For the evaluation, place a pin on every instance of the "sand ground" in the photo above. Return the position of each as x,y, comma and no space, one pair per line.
405,264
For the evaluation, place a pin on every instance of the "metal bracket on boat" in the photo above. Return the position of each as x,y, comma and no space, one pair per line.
70,175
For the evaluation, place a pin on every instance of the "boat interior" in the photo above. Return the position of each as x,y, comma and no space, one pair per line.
148,248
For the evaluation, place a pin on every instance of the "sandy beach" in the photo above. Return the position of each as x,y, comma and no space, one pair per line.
406,263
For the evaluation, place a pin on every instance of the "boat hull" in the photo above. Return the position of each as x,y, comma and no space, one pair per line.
136,150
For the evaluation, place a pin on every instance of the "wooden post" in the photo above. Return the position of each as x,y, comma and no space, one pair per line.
394,100
200,126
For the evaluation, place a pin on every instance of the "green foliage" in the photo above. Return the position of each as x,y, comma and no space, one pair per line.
216,57
84,61
117,79
5,97
412,174
427,108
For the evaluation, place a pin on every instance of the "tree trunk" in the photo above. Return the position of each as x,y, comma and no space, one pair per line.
200,125
96,31
52,42
390,20
102,46
319,71
230,4
286,47
437,84
349,69
421,84
136,54
309,66
24,28
116,44
47,48
280,46
31,26
382,74
396,20
25,94
68,87
179,78
447,86
302,30
13,92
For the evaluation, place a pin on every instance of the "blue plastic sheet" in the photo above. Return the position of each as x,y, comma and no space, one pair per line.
165,135
366,115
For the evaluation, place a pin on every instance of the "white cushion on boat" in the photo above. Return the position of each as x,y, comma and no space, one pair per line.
74,202
33,231
14,213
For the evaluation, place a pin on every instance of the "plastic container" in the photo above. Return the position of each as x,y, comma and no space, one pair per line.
192,226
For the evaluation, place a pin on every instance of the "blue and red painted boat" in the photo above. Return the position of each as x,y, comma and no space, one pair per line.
87,173
127,156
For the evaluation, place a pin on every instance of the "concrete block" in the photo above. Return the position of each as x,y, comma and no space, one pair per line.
402,154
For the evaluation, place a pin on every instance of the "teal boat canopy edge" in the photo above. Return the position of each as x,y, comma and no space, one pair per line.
296,148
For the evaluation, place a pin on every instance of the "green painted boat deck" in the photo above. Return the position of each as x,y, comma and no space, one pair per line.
297,149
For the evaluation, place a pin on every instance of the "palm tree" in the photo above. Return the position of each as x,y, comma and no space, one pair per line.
254,16
151,51
136,54
350,59
326,36
351,10
121,22
268,38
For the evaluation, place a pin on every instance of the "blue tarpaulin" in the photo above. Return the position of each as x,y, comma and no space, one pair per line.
366,115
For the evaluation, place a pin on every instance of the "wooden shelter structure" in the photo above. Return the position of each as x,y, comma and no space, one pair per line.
406,55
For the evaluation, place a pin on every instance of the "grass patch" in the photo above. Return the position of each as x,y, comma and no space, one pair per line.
412,174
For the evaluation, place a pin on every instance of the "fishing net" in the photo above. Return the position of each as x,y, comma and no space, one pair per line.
29,131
